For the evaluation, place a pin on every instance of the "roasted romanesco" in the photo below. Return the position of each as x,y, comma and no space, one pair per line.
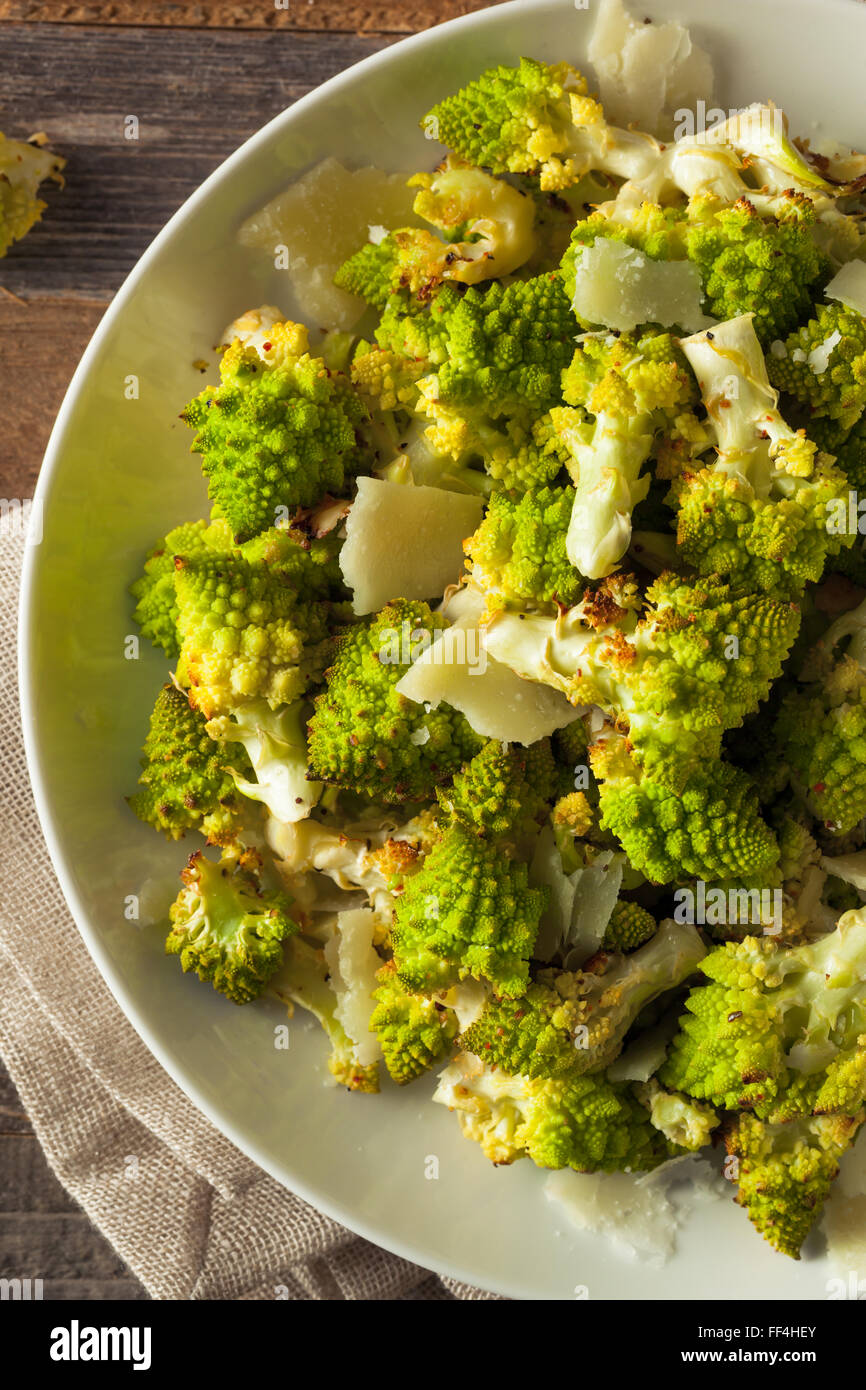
526,623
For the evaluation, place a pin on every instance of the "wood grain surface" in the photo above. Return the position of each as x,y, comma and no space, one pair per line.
328,16
200,78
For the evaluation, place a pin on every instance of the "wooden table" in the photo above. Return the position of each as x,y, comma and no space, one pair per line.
200,78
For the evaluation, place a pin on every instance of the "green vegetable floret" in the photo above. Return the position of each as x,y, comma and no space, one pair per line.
507,347
823,365
781,1032
367,737
778,1029
633,389
758,514
630,926
244,634
706,826
537,119
226,928
24,164
572,1022
484,228
748,263
503,793
765,266
784,1172
414,1032
574,1121
701,658
185,783
417,330
517,556
156,602
768,266
469,911
277,431
820,731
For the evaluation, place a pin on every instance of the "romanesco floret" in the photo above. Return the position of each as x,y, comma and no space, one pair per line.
671,676
537,119
507,347
823,364
484,229
573,1121
185,783
517,556
245,635
469,911
414,1032
503,792
571,1022
632,388
820,730
629,927
778,1029
518,452
784,1171
749,264
417,330
367,737
24,164
276,432
759,514
226,928
372,273
156,601
705,824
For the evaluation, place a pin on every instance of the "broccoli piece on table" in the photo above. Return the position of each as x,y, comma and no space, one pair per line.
24,164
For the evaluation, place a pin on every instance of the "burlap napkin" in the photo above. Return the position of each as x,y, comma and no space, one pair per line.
192,1217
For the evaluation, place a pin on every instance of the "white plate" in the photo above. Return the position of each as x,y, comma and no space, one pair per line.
118,473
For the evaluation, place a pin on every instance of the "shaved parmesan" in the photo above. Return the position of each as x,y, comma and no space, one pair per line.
641,1213
404,541
318,223
849,287
353,962
620,287
647,73
497,702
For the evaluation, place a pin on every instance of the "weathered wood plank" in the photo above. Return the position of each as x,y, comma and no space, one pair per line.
333,16
78,84
29,1185
55,1246
40,342
13,1116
